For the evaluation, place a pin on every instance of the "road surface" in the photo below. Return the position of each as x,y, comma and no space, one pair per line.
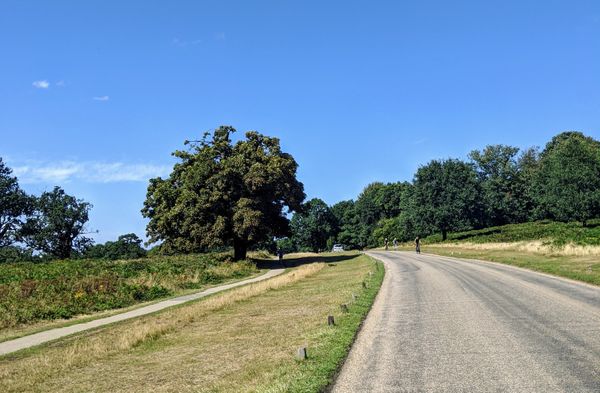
447,325
32,340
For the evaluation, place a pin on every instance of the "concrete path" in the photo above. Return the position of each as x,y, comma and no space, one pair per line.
54,334
448,325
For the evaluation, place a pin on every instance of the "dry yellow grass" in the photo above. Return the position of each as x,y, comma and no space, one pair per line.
538,247
23,372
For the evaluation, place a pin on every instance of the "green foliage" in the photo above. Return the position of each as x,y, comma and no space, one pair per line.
63,289
57,224
446,197
286,245
127,246
222,194
313,226
401,228
567,183
555,233
503,182
14,206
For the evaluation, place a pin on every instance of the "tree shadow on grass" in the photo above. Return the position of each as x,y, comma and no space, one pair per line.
298,261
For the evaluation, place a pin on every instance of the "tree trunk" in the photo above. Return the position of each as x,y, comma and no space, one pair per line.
444,235
240,248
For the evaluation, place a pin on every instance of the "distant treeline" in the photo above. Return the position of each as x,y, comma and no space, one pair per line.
51,226
497,185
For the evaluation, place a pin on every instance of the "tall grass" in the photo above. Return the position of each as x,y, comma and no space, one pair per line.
32,292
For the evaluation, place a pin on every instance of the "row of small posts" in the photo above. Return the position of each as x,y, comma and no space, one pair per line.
302,353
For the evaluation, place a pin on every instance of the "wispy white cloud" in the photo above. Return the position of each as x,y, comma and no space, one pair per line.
420,141
184,43
88,171
101,98
60,83
43,84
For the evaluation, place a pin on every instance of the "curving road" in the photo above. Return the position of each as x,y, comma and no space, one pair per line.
448,325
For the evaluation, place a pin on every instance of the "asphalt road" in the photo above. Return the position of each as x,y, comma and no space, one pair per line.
447,325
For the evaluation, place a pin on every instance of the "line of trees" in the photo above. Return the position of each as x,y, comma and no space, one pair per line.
51,226
497,185
223,195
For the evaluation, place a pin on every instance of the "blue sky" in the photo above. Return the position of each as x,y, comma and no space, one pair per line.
95,95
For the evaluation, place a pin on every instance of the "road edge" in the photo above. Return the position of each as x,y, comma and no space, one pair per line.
336,374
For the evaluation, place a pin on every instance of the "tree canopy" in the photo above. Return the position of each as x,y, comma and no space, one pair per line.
567,182
224,194
446,196
313,226
57,225
15,204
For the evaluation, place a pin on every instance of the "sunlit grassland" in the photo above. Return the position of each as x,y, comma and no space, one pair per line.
244,339
563,249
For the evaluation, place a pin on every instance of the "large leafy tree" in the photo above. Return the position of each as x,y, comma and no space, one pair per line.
567,182
224,194
504,189
57,226
313,226
14,206
446,197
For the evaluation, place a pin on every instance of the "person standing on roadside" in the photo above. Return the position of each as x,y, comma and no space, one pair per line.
386,244
418,245
395,243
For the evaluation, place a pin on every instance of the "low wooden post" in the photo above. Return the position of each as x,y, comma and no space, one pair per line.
302,354
330,320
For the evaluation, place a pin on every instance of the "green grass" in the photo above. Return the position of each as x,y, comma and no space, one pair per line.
33,292
554,233
239,341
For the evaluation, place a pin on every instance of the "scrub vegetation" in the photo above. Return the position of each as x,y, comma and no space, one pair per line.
31,292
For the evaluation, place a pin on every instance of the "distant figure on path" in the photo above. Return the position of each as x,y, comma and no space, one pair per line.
418,244
386,244
280,254
395,243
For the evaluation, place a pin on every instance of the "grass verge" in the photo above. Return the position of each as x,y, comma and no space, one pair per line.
241,340
581,268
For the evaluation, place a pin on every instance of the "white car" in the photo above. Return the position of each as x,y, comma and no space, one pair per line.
337,248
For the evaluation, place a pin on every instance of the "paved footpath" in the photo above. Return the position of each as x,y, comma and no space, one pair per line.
54,334
449,325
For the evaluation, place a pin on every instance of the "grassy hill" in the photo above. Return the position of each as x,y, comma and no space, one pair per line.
563,249
557,234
